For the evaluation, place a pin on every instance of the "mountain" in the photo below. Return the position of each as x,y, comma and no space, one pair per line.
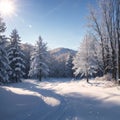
62,53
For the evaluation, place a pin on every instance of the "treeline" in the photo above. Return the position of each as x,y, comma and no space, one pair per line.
100,51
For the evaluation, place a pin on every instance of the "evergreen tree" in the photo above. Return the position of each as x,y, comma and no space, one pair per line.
27,49
16,57
68,66
4,63
39,67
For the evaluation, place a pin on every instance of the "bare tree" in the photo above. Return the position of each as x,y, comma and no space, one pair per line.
118,36
96,26
107,27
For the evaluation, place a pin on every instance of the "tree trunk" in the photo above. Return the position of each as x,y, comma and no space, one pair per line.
40,76
87,77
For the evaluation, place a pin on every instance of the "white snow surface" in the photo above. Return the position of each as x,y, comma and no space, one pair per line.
60,99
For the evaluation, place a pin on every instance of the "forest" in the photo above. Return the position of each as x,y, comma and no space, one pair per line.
98,54
40,82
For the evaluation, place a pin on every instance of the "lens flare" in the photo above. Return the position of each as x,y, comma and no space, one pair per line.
7,7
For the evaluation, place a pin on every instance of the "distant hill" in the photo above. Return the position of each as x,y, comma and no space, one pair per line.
62,53
59,51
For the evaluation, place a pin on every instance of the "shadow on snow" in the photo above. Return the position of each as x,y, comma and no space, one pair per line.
73,106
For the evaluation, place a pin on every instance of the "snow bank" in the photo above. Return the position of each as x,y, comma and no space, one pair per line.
107,77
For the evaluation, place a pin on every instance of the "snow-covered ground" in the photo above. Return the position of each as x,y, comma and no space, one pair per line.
60,99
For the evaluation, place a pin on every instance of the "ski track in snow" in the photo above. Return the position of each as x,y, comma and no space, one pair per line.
59,99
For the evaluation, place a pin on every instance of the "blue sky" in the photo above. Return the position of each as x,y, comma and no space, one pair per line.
61,23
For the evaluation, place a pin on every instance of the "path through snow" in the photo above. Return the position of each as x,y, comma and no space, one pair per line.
59,100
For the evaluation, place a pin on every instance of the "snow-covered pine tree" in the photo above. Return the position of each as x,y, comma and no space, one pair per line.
85,61
27,49
39,67
16,57
4,63
69,65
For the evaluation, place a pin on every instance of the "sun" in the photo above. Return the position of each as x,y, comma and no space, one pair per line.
7,7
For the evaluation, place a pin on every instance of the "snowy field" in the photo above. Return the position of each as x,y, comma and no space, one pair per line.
59,99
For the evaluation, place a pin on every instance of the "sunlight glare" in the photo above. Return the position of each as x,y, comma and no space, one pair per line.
7,7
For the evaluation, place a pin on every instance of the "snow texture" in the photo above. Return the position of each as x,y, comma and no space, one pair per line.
59,99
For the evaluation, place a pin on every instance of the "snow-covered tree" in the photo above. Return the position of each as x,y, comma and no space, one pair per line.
68,66
39,60
60,62
16,57
85,62
4,63
105,24
53,66
27,50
